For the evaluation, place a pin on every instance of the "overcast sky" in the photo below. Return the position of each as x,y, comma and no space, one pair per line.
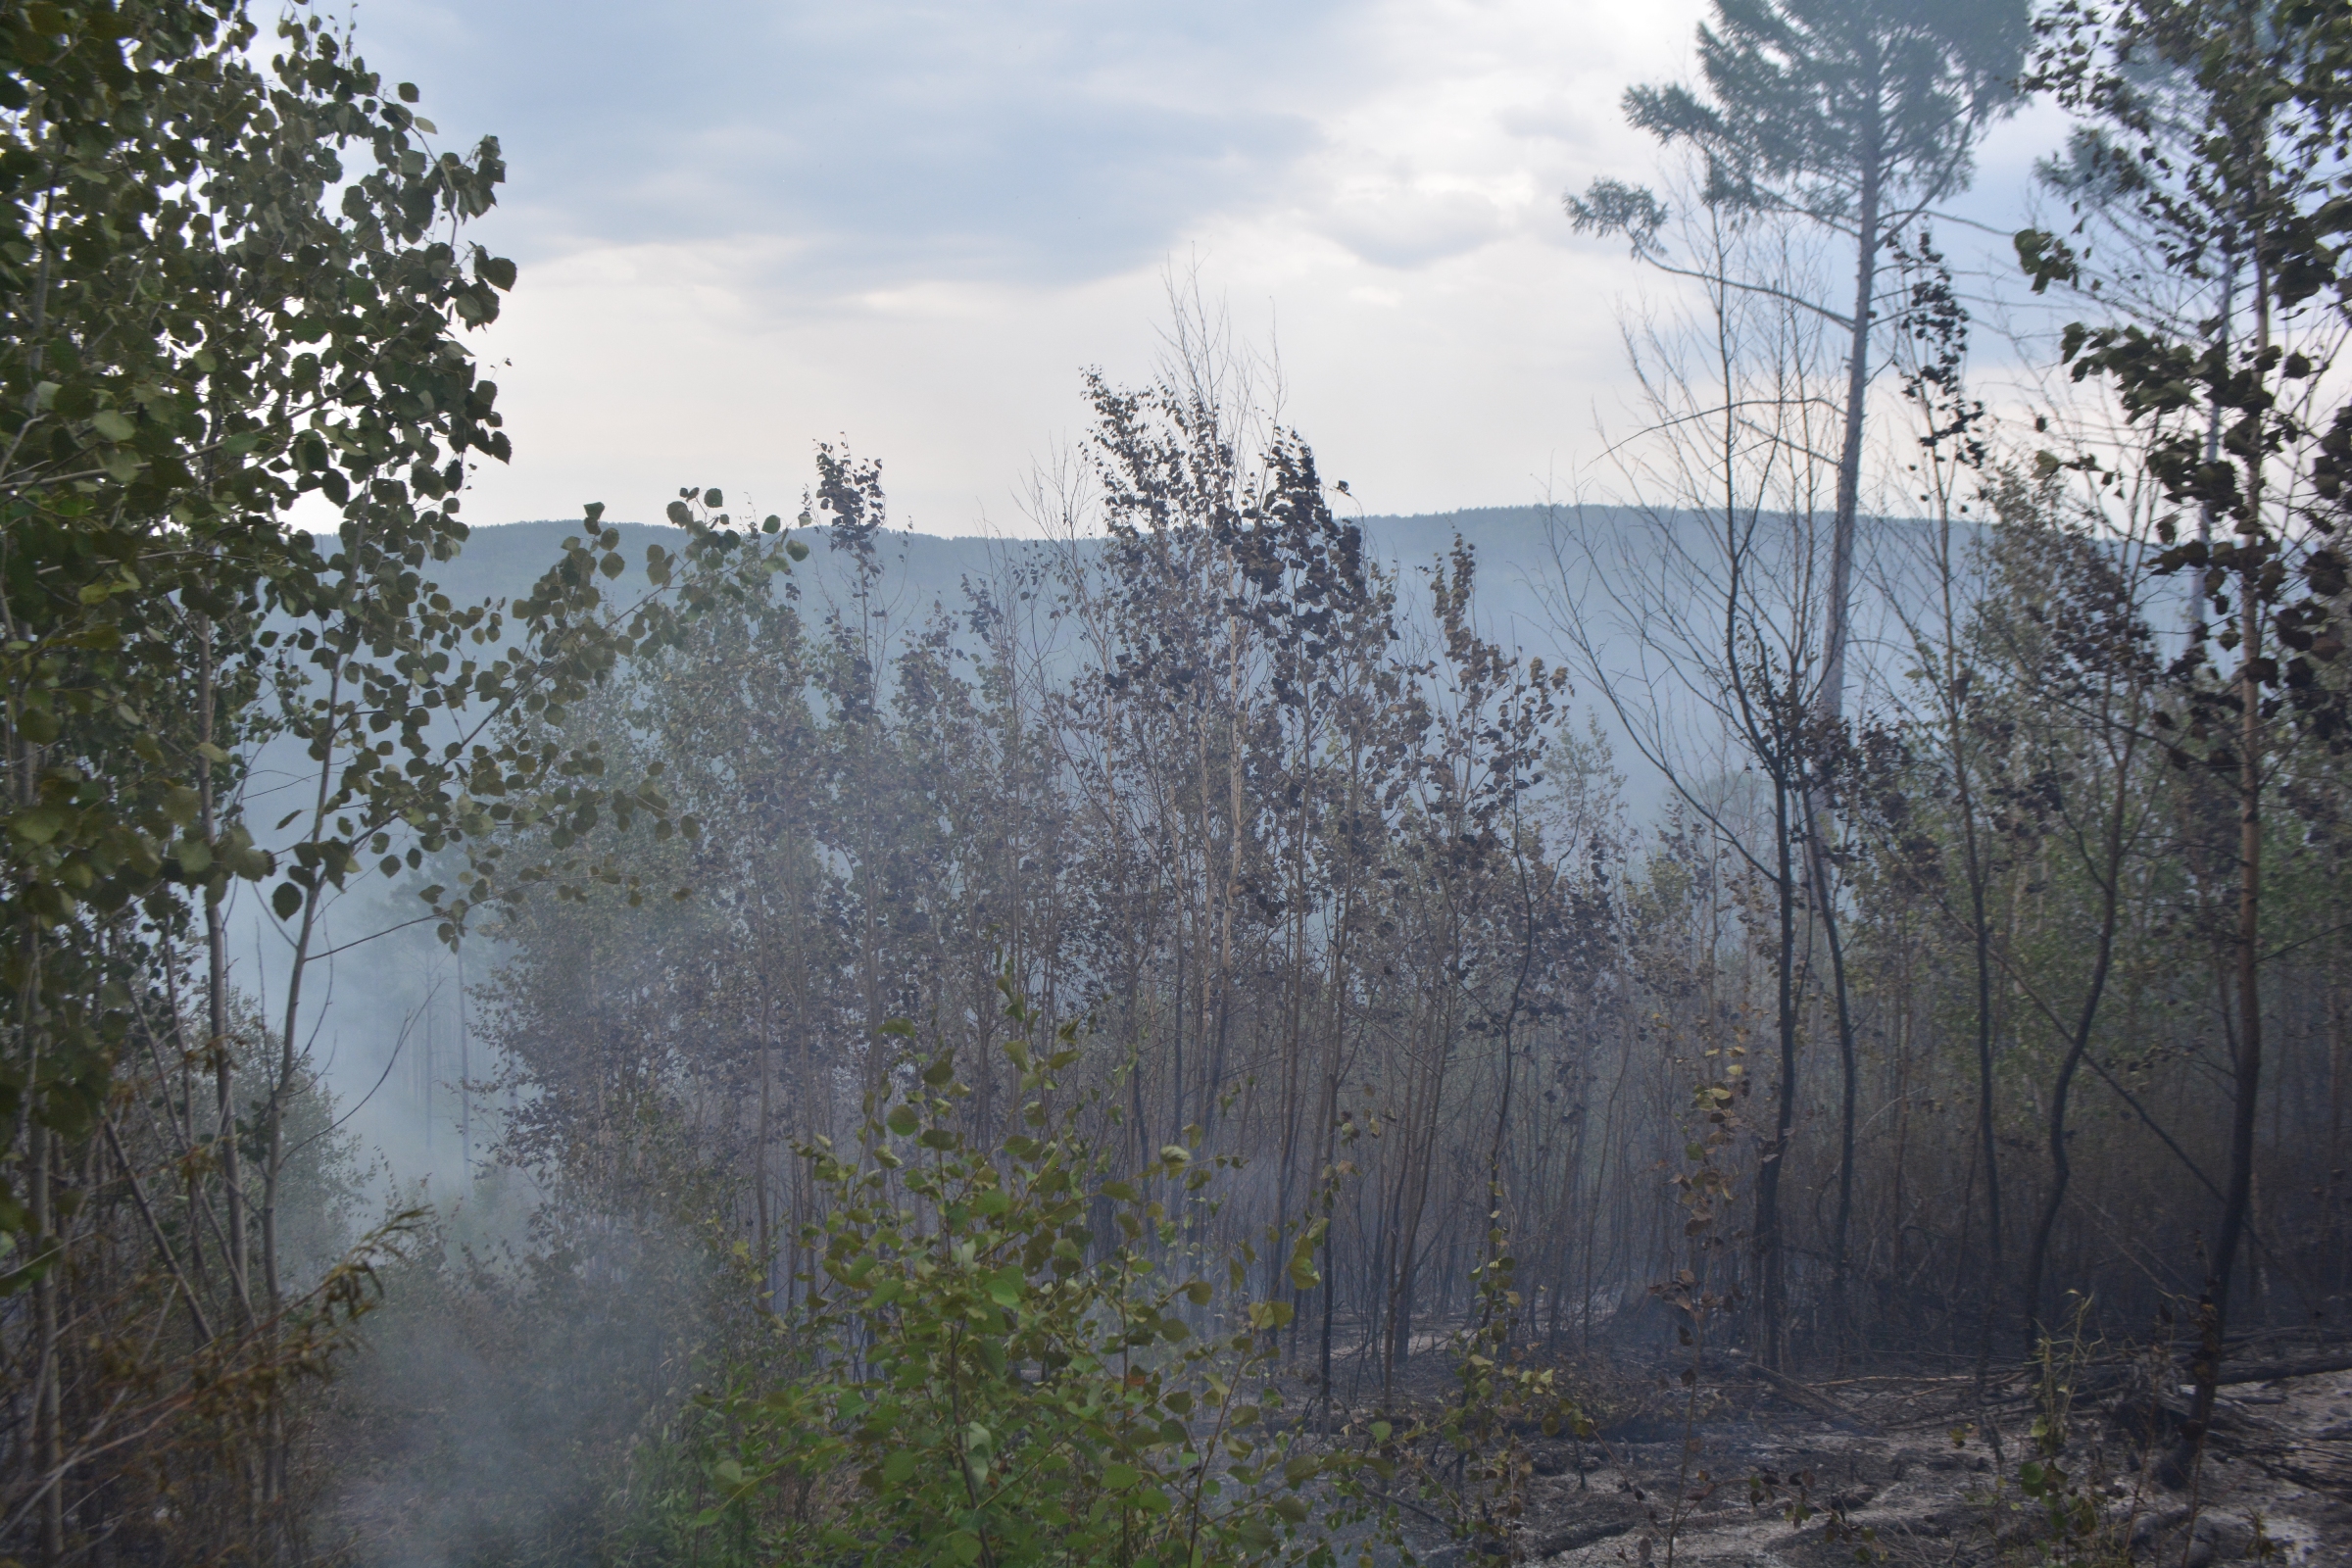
745,227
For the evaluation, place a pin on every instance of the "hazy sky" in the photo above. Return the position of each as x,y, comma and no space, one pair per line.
746,226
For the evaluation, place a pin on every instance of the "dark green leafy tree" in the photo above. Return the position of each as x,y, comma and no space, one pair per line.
233,281
183,360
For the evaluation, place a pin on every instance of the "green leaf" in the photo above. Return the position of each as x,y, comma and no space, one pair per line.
1264,1316
1006,1284
898,1466
1120,1476
286,901
40,825
904,1121
113,424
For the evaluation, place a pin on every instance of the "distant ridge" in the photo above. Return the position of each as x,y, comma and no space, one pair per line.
503,560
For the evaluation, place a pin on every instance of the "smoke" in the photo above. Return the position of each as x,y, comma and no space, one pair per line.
502,1391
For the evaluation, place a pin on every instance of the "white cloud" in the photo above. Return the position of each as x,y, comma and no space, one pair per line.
1398,224
747,227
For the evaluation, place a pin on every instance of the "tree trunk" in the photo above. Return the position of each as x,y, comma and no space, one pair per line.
48,1425
1988,1145
2214,1310
1831,701
1771,1248
1847,1086
2061,1168
215,950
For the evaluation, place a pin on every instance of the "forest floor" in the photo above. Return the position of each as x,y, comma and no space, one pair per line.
1753,1469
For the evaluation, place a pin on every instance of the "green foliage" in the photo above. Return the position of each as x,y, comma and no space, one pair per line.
1813,99
1823,109
2234,414
990,1380
2075,1529
1470,1457
209,314
212,308
233,283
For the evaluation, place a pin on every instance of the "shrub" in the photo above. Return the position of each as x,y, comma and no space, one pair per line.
983,1379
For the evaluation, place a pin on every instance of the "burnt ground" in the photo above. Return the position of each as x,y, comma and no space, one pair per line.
1925,1469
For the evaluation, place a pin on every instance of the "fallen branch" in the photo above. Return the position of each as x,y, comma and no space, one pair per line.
2271,1371
1820,1405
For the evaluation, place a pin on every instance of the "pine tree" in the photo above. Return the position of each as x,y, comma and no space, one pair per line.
1859,116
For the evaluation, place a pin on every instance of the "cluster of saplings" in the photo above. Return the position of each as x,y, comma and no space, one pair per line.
1189,1048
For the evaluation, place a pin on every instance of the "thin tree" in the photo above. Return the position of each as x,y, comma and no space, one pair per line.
1717,591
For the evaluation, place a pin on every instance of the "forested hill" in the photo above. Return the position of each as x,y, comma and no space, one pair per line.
1513,547
1536,569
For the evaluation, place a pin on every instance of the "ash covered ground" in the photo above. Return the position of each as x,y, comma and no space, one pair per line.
1927,1467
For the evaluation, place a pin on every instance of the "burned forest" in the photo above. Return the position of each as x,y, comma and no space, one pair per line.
1786,1001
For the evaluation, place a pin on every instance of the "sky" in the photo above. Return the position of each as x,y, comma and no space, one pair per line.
742,228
